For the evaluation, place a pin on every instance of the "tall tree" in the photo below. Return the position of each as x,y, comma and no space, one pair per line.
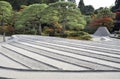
81,6
85,9
89,9
117,5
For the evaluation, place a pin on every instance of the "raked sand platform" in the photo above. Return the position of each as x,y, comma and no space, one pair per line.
40,57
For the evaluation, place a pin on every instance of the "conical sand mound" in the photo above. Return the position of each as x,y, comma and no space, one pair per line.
102,31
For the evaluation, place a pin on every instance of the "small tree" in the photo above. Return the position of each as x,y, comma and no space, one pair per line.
5,13
104,18
30,18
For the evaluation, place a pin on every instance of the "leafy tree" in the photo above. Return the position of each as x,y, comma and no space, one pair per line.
104,18
5,13
96,11
105,12
30,18
66,14
5,10
105,21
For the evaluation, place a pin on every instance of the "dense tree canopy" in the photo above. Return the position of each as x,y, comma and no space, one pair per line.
17,3
117,5
81,6
67,15
5,14
74,1
64,15
85,9
5,10
105,12
30,17
104,18
88,10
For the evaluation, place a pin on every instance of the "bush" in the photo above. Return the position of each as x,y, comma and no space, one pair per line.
75,33
86,37
78,35
34,32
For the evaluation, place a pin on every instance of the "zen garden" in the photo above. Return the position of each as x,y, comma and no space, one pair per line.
57,18
59,39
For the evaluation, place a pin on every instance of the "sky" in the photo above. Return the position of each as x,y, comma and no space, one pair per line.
98,3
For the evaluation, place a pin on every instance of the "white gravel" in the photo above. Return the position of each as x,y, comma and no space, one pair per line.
99,43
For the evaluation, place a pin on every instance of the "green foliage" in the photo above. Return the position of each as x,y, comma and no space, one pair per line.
117,6
81,6
105,12
88,10
66,14
104,18
5,11
5,15
88,19
97,10
17,3
85,9
74,1
30,17
86,37
78,35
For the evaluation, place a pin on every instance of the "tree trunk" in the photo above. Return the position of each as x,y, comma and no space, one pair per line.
40,29
4,37
63,30
35,33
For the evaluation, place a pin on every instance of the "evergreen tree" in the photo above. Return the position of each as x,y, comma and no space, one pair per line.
81,6
30,19
86,10
117,5
74,1
89,9
17,3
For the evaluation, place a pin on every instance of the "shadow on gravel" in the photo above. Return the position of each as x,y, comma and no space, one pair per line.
6,78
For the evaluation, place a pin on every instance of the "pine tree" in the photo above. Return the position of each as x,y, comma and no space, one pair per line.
117,4
81,6
74,1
